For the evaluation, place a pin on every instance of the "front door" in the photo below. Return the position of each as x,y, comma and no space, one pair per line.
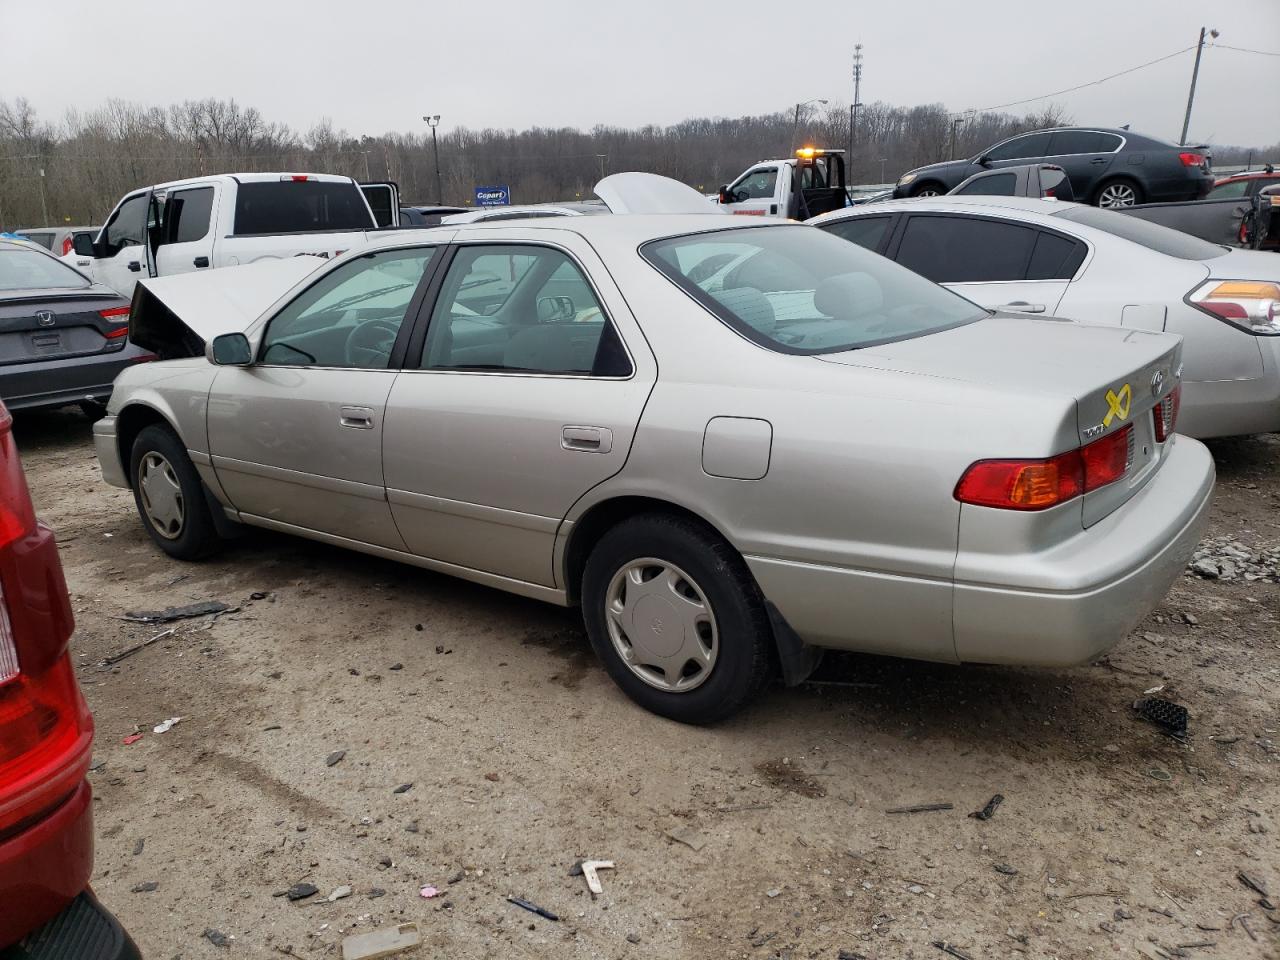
755,194
296,438
527,394
119,253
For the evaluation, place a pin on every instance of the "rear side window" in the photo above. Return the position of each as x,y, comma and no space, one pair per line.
996,185
965,249
44,239
1066,142
1055,258
189,214
299,206
1171,243
864,231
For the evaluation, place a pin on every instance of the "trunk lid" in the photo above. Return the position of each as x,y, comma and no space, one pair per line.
1115,375
55,325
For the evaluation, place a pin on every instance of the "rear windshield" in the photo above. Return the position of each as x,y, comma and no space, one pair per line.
299,206
794,289
1171,243
32,270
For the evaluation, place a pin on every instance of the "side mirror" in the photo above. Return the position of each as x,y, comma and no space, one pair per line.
229,350
725,195
556,309
984,161
83,245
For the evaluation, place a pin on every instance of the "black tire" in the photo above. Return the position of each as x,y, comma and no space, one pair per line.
744,661
92,409
1118,185
930,188
195,535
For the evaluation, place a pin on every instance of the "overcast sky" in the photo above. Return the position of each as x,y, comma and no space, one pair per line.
375,67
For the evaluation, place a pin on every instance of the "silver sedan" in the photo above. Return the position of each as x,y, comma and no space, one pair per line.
732,444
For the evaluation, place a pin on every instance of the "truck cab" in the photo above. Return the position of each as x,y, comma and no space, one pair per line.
797,188
224,220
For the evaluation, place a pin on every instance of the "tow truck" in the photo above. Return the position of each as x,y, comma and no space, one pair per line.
797,188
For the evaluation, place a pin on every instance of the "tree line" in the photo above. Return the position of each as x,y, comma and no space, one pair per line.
74,169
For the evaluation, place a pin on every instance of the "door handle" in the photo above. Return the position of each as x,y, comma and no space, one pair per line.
1021,306
587,439
201,261
1098,160
135,267
357,418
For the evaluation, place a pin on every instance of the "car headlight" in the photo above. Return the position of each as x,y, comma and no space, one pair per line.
905,179
1251,305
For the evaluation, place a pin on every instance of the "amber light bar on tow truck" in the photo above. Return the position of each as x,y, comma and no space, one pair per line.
1046,482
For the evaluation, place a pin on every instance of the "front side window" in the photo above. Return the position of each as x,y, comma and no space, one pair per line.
866,232
521,308
996,185
757,185
796,290
188,214
351,316
26,269
954,249
127,225
1032,145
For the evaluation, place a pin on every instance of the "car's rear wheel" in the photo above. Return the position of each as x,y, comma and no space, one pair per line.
170,495
1119,193
677,619
928,189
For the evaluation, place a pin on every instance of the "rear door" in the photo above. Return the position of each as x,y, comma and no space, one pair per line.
526,394
1086,155
187,227
999,264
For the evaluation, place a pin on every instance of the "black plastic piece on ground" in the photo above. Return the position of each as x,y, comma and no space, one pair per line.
85,930
1163,713
797,659
989,811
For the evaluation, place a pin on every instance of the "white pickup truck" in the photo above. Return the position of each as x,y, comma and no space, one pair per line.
798,188
230,219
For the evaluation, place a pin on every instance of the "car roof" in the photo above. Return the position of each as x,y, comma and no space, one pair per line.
242,178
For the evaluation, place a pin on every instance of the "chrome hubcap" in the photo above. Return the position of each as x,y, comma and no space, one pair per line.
662,625
161,495
1117,195
928,192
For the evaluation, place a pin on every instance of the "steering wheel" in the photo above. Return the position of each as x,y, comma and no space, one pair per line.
369,343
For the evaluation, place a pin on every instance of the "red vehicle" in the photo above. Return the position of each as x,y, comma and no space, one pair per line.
1245,184
46,732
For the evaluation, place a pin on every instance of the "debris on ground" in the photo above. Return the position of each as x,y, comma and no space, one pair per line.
169,614
428,892
403,788
137,847
334,758
922,808
633,938
380,943
951,949
1007,870
130,651
1164,713
164,726
340,893
588,868
850,955
216,937
989,811
150,886
300,891
785,775
131,739
687,835
1253,883
532,908
1226,558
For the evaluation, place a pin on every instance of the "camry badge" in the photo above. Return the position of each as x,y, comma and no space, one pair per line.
44,318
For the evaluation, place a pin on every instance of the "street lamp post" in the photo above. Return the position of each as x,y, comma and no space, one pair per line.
882,160
433,121
1195,74
795,126
955,125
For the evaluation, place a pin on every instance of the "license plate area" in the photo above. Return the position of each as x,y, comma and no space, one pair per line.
46,342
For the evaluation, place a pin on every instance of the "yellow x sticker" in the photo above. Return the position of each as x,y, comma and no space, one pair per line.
1118,404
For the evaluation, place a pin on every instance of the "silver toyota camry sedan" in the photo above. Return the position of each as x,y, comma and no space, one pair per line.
733,445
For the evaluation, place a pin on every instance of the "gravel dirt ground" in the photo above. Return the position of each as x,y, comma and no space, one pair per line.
765,837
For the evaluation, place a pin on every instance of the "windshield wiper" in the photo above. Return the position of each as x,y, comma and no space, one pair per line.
369,295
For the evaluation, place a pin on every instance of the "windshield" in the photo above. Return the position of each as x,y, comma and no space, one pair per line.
1171,243
32,270
795,289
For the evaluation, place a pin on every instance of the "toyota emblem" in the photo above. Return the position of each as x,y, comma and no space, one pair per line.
1157,381
44,318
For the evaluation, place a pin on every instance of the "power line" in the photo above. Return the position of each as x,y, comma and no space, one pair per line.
1091,83
1264,53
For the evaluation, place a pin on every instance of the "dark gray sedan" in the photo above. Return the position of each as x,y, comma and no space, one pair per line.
63,338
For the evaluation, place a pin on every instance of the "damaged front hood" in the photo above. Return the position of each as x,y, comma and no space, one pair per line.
650,193
174,316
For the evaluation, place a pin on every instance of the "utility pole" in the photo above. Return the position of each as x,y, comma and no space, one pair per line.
955,125
882,160
795,126
1195,74
44,207
367,175
433,121
853,107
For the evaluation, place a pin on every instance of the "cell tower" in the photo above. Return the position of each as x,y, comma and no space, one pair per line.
857,90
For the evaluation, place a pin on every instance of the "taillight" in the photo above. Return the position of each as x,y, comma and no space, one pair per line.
1166,414
1251,305
17,515
67,244
1192,159
116,315
1043,483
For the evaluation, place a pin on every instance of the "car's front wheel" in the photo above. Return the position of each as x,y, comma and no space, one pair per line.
1119,193
677,619
928,189
170,496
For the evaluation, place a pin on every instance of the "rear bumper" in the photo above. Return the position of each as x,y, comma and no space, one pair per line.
55,383
46,866
85,930
1078,600
108,450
